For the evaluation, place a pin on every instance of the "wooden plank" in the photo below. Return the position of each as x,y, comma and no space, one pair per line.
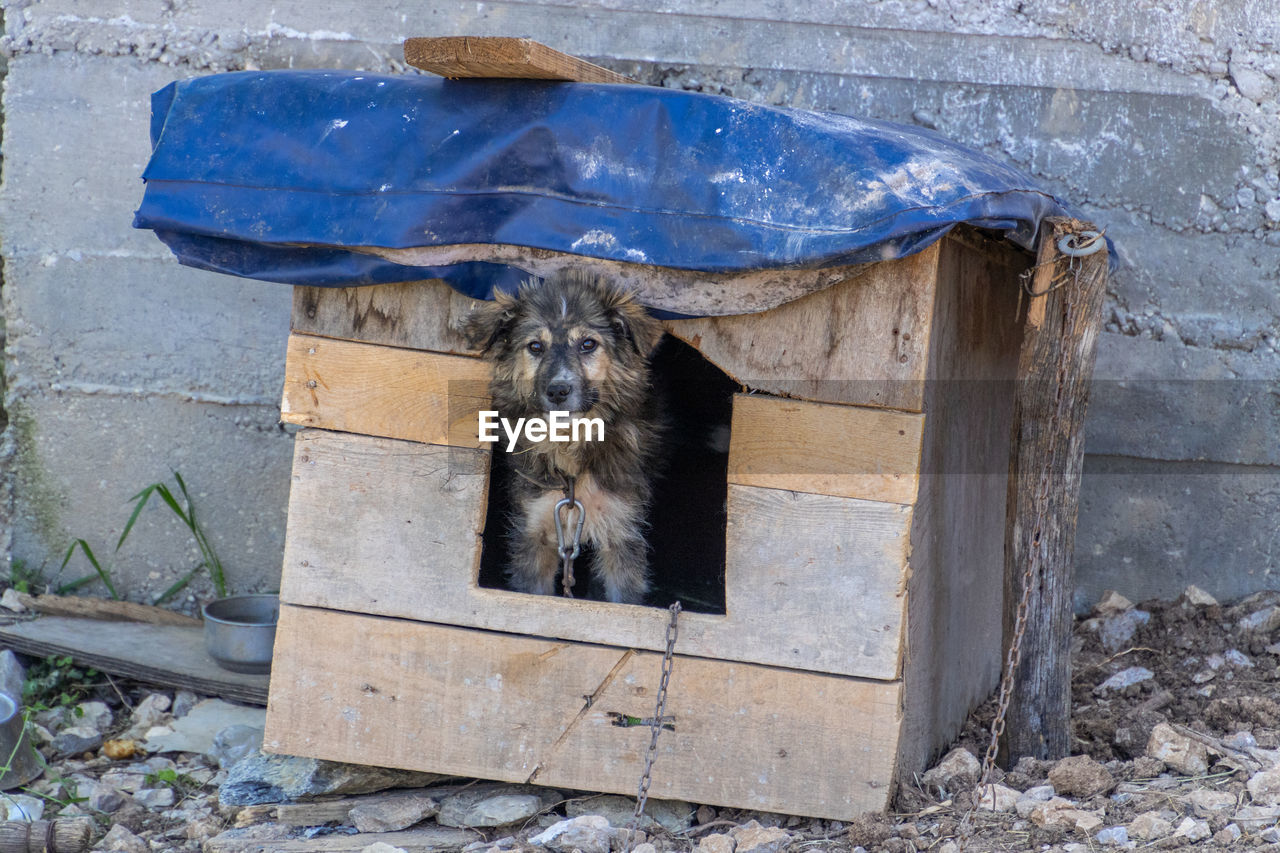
863,341
1054,370
488,56
451,700
957,551
824,449
383,391
106,609
408,546
158,654
414,314
683,291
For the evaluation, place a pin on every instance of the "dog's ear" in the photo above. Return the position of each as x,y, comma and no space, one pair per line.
489,323
632,323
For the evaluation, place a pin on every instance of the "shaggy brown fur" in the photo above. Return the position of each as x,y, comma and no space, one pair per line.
576,343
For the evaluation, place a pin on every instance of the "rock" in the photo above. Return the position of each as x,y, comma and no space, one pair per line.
12,600
1262,622
494,805
1192,829
1149,826
1250,83
1264,787
671,815
959,769
1113,836
77,739
1116,631
1033,797
393,815
751,837
1080,776
716,842
197,730
586,833
1124,678
1237,658
1064,814
147,714
263,778
103,798
382,847
998,798
235,743
20,807
1112,602
1197,597
1206,803
95,715
12,676
118,838
120,750
1270,835
183,702
246,837
1252,818
1228,835
644,847
155,798
1177,751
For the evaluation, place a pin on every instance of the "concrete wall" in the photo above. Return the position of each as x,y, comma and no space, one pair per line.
1157,120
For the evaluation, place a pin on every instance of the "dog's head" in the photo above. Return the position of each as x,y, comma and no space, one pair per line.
574,343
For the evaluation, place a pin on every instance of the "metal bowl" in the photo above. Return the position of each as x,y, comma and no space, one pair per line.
16,751
240,631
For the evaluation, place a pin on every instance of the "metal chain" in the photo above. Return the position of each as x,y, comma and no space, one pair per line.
568,533
659,716
1091,243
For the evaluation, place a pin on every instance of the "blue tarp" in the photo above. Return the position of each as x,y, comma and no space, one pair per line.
279,175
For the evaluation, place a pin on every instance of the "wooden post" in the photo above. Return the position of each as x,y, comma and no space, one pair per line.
1054,370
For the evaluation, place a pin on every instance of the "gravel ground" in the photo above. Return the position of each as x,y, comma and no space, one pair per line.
1176,742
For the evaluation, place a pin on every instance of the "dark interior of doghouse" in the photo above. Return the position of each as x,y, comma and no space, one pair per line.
687,518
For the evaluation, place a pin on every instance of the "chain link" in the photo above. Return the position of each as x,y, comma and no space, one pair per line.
568,533
659,716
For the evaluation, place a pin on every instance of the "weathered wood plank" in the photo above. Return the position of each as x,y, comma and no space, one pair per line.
1054,370
823,449
409,542
491,56
449,700
106,609
413,314
158,654
383,391
953,608
863,341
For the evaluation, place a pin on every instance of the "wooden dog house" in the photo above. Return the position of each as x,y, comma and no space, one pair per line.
884,471
864,552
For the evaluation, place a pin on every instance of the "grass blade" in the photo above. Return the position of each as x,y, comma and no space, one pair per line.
177,587
93,561
141,497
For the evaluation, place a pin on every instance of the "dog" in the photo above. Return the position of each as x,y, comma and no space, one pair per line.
576,343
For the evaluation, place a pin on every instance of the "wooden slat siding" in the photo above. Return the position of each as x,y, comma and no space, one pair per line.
492,56
414,314
384,391
861,342
953,594
350,687
409,540
847,451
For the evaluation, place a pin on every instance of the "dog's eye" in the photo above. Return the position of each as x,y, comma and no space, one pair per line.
588,345
535,347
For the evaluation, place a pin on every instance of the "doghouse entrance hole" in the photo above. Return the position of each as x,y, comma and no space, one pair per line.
687,519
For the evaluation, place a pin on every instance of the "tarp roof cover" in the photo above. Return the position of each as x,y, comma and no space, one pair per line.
278,175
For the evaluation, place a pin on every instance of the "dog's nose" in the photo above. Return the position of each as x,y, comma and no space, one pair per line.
558,392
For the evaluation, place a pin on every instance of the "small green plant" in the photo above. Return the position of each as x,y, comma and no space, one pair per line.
22,577
186,512
103,573
181,783
56,682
